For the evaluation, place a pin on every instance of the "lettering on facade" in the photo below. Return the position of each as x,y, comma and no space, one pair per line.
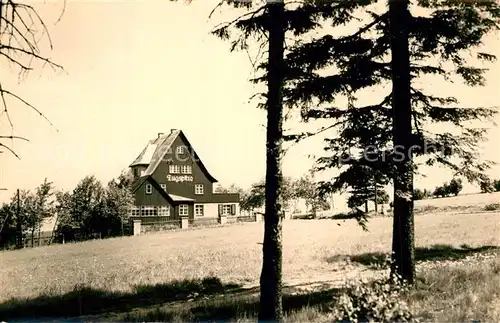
179,178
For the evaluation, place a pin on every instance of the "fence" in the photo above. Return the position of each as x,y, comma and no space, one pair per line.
35,241
246,218
147,225
155,224
29,241
203,222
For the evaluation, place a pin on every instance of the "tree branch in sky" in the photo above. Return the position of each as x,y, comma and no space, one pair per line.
22,30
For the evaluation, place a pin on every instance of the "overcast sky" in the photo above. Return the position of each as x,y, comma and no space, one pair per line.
136,68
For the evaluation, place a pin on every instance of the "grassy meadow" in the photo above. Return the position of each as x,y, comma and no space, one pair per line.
317,253
460,203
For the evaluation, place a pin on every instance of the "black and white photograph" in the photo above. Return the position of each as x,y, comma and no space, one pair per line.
249,161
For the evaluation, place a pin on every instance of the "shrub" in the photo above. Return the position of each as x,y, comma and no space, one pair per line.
492,207
379,301
419,194
440,191
496,185
454,187
486,186
489,186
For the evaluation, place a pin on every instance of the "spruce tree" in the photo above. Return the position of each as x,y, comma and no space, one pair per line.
271,307
272,26
366,185
325,63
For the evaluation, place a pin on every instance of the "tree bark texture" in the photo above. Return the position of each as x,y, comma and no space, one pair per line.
271,275
403,229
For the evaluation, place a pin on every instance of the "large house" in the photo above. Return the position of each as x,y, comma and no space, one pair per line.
171,181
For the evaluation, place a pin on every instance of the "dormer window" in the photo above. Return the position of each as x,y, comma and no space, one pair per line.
174,169
186,169
180,150
149,189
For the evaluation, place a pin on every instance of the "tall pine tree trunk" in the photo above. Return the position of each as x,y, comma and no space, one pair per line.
403,228
270,278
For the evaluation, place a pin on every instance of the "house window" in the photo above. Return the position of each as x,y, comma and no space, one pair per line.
148,211
183,210
174,169
164,187
180,149
135,211
149,188
227,209
186,169
198,210
198,189
163,211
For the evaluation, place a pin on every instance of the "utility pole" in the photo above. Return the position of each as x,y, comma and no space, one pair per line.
19,228
3,189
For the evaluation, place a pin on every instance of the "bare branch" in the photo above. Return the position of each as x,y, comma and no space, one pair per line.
9,149
22,30
62,13
24,67
28,104
5,106
14,137
215,8
31,54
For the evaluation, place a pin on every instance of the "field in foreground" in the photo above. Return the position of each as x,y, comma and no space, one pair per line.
313,251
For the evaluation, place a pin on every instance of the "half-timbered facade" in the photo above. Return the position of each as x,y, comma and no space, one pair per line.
170,180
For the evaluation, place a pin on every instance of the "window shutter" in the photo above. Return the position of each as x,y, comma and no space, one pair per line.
233,209
220,209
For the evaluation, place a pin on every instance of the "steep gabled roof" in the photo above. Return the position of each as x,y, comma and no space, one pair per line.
156,150
138,182
148,178
145,157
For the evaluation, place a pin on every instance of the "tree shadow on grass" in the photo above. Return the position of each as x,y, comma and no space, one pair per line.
433,253
190,300
229,308
89,301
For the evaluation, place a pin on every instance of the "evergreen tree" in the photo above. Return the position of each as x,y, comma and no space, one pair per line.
271,307
324,63
272,25
366,185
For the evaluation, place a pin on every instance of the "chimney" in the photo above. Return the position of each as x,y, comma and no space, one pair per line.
172,130
160,134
